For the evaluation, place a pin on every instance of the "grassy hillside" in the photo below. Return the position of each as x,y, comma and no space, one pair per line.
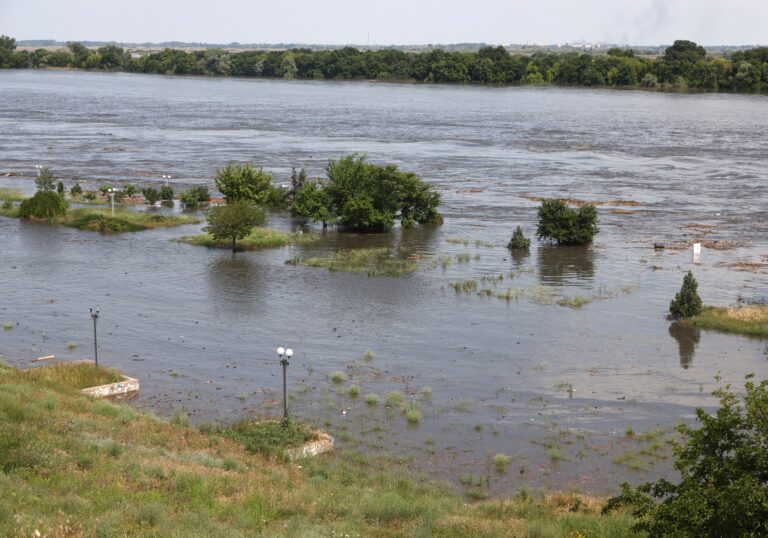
71,465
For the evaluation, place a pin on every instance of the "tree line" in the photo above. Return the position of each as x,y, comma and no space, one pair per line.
683,65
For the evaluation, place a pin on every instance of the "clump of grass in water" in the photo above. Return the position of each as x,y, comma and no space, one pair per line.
413,414
426,393
372,261
491,280
462,257
368,356
258,239
575,302
457,241
372,399
7,326
76,376
71,346
269,437
338,377
445,263
464,286
501,462
354,391
554,454
395,399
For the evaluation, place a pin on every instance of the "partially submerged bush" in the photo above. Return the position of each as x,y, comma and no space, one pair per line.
45,204
195,196
519,241
565,225
723,489
687,302
151,195
75,191
234,221
166,193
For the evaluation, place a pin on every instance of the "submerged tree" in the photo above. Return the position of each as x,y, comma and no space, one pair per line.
234,221
366,197
565,225
687,302
45,180
519,241
244,182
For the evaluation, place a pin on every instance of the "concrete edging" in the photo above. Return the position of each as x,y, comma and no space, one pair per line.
128,384
313,448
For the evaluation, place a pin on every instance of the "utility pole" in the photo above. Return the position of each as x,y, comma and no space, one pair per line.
95,318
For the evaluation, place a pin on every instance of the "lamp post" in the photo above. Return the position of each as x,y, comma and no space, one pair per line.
284,361
39,168
95,318
111,192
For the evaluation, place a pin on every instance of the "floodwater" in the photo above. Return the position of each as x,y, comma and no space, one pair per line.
554,387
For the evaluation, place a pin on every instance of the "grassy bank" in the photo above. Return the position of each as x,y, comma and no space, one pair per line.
11,194
73,375
101,220
372,261
71,465
747,320
259,239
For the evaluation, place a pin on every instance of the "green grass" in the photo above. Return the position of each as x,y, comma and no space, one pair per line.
746,320
501,462
464,286
575,302
371,261
354,391
74,375
269,437
100,469
338,377
395,399
11,194
101,220
372,399
259,239
7,326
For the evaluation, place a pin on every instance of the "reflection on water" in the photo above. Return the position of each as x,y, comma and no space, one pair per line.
687,339
566,265
519,256
234,280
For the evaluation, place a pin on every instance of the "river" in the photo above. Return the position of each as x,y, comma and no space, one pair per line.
556,388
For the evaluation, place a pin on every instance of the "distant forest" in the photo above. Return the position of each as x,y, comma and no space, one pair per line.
682,65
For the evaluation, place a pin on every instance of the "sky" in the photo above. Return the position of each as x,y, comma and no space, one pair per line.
384,22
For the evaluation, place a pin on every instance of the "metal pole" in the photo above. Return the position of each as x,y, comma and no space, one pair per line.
95,317
284,362
112,196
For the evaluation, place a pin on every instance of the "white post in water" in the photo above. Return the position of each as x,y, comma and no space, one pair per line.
697,253
112,197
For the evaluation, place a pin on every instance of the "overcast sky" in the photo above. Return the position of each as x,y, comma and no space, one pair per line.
646,22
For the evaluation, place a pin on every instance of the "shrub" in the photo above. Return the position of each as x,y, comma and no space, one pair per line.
354,391
565,225
372,399
104,189
151,195
60,188
338,377
723,489
90,196
519,241
192,198
166,193
130,190
501,462
75,190
687,302
43,205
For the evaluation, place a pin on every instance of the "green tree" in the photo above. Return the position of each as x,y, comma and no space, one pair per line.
45,204
60,188
314,202
519,241
80,53
45,181
113,58
565,225
367,197
244,182
234,221
687,302
723,465
166,193
7,46
75,191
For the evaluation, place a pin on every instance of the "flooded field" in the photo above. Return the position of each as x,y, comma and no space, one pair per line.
575,374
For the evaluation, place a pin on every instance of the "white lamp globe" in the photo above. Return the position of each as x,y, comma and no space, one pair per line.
289,352
280,351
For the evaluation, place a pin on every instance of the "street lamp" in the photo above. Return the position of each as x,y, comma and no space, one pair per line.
284,361
111,192
95,318
39,169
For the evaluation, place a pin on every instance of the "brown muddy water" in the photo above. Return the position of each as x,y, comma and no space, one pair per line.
556,388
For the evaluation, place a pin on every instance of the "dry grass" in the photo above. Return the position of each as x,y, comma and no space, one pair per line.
747,320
